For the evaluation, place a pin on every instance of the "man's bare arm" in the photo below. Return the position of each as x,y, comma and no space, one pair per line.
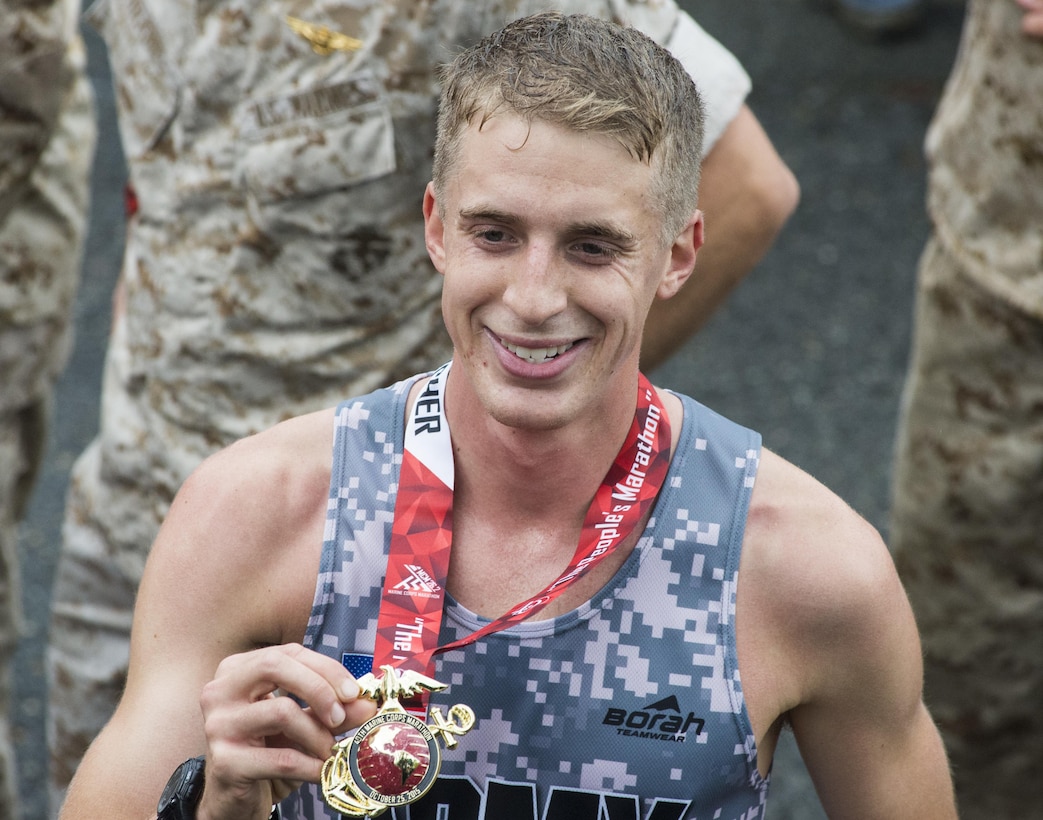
746,194
828,592
866,736
226,591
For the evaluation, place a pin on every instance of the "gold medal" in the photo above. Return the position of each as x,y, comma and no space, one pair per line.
393,758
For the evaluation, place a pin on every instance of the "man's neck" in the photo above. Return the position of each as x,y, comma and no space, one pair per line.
551,473
521,497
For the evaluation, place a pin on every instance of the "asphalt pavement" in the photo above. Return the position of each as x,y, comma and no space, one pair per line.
811,349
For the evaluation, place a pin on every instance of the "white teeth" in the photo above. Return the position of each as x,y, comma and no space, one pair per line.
536,355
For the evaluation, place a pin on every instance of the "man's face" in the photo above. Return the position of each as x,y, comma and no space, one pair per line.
552,255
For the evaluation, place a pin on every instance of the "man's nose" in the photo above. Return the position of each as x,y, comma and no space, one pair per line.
536,288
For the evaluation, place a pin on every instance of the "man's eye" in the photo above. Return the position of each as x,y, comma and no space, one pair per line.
492,235
595,251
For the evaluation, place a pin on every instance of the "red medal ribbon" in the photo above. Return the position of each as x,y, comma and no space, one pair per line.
421,535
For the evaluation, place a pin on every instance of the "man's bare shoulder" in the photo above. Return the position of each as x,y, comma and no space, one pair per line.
286,441
282,463
811,556
252,516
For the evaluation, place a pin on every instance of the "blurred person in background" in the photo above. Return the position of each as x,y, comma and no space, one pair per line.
967,526
274,263
47,135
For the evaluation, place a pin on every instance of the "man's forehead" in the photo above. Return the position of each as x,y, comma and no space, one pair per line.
514,132
514,170
505,126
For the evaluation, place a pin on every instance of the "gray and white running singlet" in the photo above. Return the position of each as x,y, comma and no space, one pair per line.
627,708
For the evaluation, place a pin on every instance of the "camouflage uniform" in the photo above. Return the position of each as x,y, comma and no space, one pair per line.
968,506
276,262
46,147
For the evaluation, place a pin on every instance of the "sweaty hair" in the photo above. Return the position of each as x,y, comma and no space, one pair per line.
587,75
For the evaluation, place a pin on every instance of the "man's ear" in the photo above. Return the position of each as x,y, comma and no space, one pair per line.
683,251
434,229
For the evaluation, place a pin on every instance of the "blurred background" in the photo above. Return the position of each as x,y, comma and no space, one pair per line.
810,350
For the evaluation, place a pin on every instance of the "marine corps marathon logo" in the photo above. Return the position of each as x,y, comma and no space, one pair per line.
418,582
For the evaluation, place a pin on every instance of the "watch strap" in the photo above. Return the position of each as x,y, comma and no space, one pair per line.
184,789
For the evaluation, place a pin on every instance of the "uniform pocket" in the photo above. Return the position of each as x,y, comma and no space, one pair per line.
312,142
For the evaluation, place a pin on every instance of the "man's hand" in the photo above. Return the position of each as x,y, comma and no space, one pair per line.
261,745
1032,22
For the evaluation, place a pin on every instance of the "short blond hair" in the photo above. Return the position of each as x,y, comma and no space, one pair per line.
587,75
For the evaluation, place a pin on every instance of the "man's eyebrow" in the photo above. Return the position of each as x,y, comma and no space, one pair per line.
480,213
604,230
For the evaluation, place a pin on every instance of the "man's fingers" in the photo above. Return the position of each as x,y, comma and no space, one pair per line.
280,719
257,737
235,763
356,709
317,680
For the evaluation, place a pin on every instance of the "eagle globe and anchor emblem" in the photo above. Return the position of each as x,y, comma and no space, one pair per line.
393,758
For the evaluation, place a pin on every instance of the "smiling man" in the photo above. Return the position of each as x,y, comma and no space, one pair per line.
546,305
613,598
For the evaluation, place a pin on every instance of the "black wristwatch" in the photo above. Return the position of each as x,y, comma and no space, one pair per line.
182,792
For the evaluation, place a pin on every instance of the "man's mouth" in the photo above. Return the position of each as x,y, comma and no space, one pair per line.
536,355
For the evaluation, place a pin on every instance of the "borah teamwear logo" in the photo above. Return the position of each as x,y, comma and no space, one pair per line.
662,720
